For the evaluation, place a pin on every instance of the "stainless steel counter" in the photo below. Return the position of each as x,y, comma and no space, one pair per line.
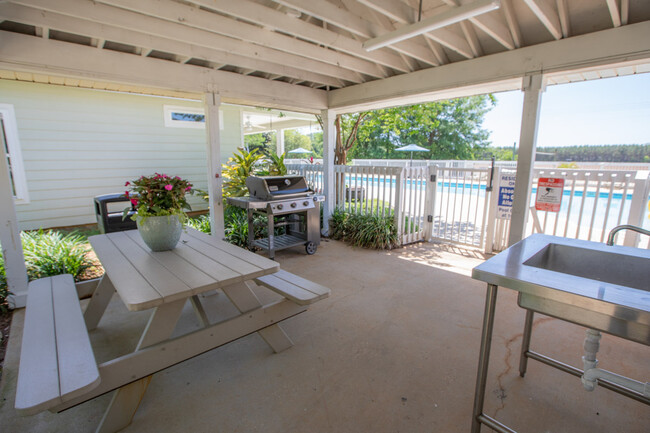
606,288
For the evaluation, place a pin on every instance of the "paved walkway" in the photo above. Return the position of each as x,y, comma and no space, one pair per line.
394,349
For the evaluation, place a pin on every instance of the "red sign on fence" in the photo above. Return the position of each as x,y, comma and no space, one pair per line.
549,194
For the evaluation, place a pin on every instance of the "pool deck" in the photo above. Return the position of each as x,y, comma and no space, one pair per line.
394,349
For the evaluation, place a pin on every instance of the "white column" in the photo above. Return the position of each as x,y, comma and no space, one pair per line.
279,141
212,103
329,142
12,248
532,87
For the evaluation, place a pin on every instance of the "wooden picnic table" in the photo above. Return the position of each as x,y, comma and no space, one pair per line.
163,282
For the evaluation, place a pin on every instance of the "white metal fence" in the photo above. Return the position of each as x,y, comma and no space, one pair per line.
455,204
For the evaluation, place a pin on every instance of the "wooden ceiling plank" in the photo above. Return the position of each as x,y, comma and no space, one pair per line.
29,54
513,24
170,35
625,11
326,11
278,21
546,13
614,12
492,26
565,20
472,39
200,19
438,51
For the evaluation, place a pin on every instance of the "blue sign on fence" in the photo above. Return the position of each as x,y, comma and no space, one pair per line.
506,195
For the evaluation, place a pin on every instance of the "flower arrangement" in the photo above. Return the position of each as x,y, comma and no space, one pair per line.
158,195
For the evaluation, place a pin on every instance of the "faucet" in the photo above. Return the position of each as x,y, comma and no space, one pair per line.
612,233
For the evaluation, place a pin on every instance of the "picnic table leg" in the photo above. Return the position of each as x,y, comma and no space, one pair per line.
126,400
98,303
244,299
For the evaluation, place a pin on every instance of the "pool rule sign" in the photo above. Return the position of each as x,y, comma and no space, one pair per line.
549,194
506,193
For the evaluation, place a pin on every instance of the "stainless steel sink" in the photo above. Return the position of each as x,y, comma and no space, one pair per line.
589,283
605,266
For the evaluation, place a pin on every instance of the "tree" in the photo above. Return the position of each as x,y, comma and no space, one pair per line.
263,142
450,129
294,139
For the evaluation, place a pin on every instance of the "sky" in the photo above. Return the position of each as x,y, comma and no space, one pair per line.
606,111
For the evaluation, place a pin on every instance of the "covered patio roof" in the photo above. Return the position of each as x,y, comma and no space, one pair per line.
321,57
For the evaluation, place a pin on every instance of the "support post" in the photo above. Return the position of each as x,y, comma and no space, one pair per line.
12,247
212,102
638,207
329,143
279,141
526,160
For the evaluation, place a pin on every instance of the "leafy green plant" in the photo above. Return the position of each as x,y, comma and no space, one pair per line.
238,168
201,223
276,164
4,290
49,253
362,230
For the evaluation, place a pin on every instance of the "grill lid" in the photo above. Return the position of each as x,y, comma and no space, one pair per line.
277,187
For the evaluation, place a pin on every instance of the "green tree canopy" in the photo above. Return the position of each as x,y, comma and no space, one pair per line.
450,129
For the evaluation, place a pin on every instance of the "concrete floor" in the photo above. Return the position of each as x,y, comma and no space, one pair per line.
394,349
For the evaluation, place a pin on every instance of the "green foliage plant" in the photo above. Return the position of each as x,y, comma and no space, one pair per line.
158,195
364,230
239,167
4,290
49,253
201,223
276,164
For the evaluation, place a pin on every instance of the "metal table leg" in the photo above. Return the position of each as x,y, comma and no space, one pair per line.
484,356
525,342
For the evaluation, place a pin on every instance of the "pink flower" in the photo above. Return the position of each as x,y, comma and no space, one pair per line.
126,194
169,187
134,202
127,184
188,188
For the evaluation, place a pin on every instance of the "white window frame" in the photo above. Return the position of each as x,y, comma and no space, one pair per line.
172,123
15,155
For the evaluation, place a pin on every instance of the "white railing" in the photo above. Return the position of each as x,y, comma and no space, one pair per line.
313,174
460,205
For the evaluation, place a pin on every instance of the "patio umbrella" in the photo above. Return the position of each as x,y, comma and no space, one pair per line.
412,148
300,150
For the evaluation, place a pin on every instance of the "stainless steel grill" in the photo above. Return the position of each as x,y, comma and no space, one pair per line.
288,202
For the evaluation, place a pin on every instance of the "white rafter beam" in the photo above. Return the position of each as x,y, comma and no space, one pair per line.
201,19
565,19
490,24
147,43
278,21
328,12
546,13
472,39
124,19
615,11
444,37
25,53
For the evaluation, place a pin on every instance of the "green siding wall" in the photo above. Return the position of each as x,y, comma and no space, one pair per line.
80,143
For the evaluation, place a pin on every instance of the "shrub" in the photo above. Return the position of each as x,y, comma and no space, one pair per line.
4,290
49,253
202,223
367,231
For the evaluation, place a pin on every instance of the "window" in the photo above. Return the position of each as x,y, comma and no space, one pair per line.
9,140
187,117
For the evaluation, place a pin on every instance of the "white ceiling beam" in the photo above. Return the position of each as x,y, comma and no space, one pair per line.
472,39
546,13
130,20
513,23
327,11
25,53
614,11
201,19
622,44
490,24
279,21
441,36
625,11
565,19
37,17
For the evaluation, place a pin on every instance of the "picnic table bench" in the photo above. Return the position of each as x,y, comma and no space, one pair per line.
57,367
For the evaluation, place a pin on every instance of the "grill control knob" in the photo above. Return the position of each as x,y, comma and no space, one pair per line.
293,204
305,203
280,207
